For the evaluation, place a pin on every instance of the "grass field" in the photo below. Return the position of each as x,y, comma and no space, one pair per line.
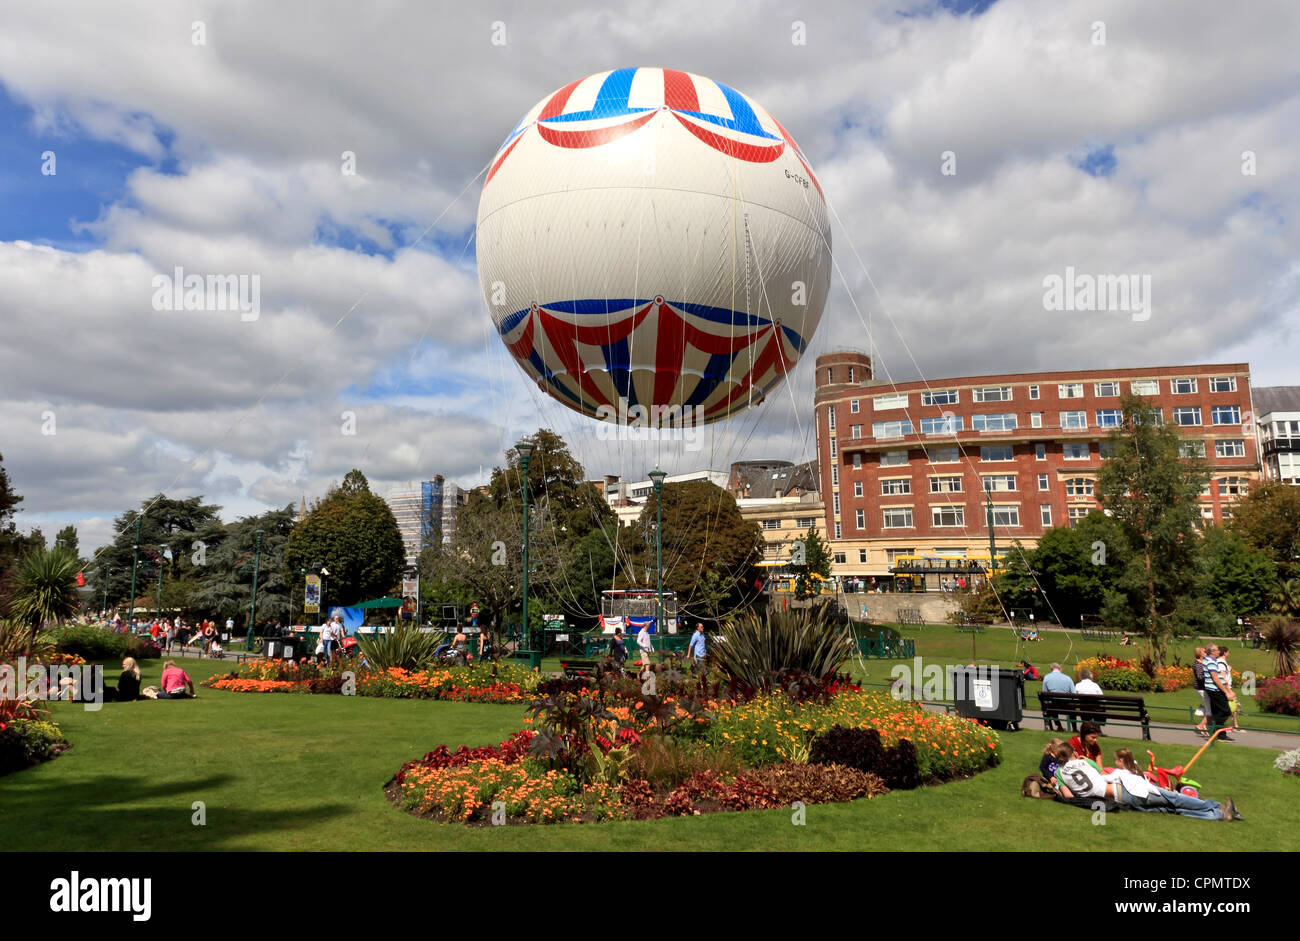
291,772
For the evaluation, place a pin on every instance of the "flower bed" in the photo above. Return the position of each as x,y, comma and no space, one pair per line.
1113,674
27,736
501,684
1280,695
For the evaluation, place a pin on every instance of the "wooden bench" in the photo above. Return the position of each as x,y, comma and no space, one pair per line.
969,624
1076,707
1103,634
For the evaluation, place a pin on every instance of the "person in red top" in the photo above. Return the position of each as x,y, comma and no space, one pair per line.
1085,743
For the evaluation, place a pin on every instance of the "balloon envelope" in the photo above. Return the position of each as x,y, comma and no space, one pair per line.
653,238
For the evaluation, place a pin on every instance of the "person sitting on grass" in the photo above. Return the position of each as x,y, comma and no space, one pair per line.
1085,744
128,684
1049,763
175,682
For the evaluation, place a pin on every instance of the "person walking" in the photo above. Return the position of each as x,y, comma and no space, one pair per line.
329,637
644,644
1234,704
1198,684
618,649
1219,691
697,648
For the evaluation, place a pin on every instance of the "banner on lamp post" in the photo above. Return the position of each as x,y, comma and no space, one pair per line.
311,595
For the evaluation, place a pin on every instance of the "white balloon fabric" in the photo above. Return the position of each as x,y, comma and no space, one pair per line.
649,237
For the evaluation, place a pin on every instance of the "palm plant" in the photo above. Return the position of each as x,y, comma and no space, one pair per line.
404,647
1282,636
19,639
756,649
1286,599
43,587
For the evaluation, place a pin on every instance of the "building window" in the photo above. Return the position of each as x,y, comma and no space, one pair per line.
883,402
853,406
1226,414
1078,487
1070,390
945,484
898,519
836,503
1006,516
891,429
1076,451
771,524
1193,450
1040,452
831,412
1182,386
947,425
835,475
1035,419
997,453
855,431
893,555
861,518
830,374
1232,486
1223,384
857,459
1187,415
1045,515
805,522
992,394
1105,450
998,483
857,488
1077,513
1229,448
840,558
1105,390
943,455
893,458
1151,416
948,515
1033,392
835,449
1003,422
1109,418
838,534
1044,482
1145,386
943,397
1074,420
894,487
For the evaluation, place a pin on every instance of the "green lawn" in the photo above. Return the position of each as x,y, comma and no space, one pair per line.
1000,645
290,772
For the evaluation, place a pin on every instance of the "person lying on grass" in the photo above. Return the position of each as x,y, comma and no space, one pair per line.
1080,777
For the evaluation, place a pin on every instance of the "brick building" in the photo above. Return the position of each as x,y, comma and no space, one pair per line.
906,467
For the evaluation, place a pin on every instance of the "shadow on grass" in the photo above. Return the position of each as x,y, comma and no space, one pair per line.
104,813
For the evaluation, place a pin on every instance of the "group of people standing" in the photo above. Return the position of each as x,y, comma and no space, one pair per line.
1212,678
696,647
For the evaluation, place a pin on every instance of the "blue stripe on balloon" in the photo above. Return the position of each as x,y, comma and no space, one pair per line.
614,305
743,118
611,100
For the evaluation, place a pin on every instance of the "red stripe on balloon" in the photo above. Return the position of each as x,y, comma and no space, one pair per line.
799,154
670,347
679,91
558,101
772,356
502,159
591,138
751,153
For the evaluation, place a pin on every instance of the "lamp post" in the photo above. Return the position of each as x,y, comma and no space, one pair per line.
130,614
107,569
525,450
161,550
252,614
657,478
993,544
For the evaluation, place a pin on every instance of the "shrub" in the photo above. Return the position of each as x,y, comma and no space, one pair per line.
1288,762
1124,679
100,644
664,762
863,750
25,742
756,649
708,789
1282,637
819,783
1280,695
404,647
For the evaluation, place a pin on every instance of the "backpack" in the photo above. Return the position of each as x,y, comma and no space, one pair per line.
1038,786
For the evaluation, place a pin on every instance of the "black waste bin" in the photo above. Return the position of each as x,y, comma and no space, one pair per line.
995,695
283,648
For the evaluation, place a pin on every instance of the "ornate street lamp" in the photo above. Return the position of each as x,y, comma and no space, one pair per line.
525,450
657,478
252,614
130,614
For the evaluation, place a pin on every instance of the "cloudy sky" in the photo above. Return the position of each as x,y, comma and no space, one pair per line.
1105,135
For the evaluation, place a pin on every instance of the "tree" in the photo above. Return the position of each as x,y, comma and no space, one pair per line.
1238,579
225,586
42,587
10,538
1071,568
1268,518
1152,494
186,527
702,531
353,533
810,557
67,539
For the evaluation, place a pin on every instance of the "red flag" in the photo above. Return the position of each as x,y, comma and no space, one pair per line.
81,579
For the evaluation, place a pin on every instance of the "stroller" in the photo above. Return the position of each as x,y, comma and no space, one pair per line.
1172,779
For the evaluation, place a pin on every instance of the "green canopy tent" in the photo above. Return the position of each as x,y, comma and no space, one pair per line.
380,603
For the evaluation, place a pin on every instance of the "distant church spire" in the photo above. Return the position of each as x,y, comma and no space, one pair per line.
302,509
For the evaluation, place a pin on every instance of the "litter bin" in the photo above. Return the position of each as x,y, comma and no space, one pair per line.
995,695
282,648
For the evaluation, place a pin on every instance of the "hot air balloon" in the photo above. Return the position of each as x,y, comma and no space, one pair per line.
652,239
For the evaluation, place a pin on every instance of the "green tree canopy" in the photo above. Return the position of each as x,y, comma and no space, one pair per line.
1268,518
1238,579
224,586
